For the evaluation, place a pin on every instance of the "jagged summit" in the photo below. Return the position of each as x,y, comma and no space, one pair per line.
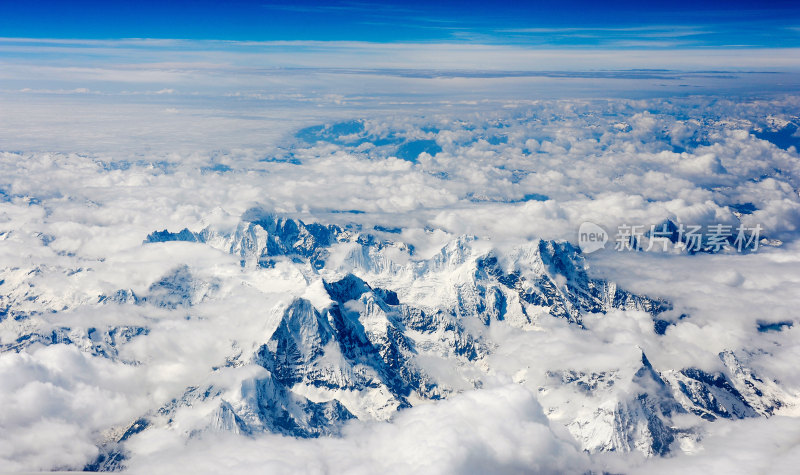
261,237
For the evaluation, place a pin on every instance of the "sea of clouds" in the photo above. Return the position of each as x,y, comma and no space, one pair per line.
96,154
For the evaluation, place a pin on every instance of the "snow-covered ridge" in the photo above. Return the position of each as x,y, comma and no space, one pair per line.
365,353
373,329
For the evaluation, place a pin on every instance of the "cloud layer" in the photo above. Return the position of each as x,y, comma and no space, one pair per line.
97,157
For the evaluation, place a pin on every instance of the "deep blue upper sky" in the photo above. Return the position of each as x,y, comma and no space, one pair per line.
620,23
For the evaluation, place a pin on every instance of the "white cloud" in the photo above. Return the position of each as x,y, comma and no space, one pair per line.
502,430
57,400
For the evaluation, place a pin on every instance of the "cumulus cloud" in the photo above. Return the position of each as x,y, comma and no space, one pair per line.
57,401
745,446
502,430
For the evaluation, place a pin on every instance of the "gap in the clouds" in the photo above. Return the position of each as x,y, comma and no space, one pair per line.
411,150
764,327
353,134
784,134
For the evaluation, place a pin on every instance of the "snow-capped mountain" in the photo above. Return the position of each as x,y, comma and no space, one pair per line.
376,328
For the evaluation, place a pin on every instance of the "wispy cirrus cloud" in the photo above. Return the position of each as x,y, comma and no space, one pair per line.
639,52
671,30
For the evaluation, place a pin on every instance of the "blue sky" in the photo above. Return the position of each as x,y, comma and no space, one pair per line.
566,23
